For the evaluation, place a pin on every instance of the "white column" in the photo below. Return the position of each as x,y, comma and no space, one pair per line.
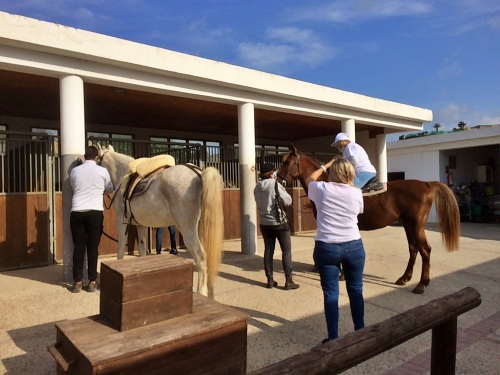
248,207
72,147
382,157
348,126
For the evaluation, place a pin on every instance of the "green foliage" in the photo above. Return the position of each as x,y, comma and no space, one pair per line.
462,126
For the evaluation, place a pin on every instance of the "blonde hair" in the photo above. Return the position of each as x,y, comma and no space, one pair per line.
342,171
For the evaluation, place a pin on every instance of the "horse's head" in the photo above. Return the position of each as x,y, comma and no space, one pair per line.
289,170
103,149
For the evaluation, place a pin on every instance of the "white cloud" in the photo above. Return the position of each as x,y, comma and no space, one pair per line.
488,120
347,11
450,115
286,49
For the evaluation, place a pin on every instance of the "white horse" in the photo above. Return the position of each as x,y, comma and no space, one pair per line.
184,196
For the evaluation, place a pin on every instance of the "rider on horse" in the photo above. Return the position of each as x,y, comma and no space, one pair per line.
366,174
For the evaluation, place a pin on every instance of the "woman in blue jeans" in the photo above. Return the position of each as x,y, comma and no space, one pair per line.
338,241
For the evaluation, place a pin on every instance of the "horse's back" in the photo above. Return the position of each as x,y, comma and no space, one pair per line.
181,179
403,198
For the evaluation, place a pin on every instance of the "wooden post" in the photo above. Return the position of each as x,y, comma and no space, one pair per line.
444,348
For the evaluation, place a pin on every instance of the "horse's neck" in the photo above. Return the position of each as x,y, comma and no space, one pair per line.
119,167
307,166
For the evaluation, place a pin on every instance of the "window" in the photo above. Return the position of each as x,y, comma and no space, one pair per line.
120,141
122,146
54,135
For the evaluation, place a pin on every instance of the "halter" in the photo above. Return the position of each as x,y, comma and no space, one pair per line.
297,161
99,162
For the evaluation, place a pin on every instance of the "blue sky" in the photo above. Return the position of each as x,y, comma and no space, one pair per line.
443,55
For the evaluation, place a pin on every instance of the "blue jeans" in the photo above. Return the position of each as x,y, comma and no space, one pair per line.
159,237
361,178
328,258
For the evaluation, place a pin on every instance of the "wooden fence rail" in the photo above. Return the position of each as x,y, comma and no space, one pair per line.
336,356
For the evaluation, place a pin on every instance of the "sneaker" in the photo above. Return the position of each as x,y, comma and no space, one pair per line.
77,287
325,341
174,251
92,287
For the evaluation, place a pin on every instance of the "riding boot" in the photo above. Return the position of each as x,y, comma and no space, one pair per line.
289,284
271,283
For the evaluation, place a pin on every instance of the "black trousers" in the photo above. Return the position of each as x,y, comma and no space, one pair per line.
270,234
86,230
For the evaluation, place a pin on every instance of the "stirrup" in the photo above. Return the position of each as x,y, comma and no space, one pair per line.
373,184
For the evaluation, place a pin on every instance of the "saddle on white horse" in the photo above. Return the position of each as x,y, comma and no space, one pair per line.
142,172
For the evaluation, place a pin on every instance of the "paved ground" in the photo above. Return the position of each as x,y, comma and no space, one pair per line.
283,323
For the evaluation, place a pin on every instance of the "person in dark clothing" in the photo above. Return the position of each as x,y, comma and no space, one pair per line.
173,243
89,182
270,226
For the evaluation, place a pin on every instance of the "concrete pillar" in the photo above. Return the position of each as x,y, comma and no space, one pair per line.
382,157
72,147
248,207
348,126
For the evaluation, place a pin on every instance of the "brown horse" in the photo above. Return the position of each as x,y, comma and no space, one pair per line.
406,201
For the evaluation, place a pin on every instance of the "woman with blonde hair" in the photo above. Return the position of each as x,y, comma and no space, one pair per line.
338,242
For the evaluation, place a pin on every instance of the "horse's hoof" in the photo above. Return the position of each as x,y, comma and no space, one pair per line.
400,281
419,289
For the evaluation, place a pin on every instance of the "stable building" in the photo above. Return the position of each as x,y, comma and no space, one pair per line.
61,87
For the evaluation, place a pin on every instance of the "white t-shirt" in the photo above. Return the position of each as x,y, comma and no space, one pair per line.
358,157
338,207
89,182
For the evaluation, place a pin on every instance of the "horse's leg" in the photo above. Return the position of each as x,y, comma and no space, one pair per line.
142,239
193,245
417,243
409,268
425,252
407,275
122,237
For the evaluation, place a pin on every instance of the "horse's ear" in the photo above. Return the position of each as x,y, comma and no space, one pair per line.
110,148
293,148
99,148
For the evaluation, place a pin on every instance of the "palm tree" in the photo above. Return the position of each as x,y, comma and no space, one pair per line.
462,125
436,126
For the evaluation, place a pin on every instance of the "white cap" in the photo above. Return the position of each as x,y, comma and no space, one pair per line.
339,137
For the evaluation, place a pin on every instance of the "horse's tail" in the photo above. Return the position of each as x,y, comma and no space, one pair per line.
212,222
448,214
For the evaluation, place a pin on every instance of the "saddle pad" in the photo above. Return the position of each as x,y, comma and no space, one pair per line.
376,192
132,167
150,165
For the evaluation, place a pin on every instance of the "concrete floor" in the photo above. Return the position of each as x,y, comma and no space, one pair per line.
284,323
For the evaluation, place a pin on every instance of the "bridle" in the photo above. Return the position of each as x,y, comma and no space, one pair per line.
99,161
297,161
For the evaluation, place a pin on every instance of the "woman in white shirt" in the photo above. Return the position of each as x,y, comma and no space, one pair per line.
357,155
338,242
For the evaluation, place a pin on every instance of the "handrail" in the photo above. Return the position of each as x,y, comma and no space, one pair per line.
336,356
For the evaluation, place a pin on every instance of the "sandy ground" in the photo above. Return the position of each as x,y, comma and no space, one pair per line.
284,323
